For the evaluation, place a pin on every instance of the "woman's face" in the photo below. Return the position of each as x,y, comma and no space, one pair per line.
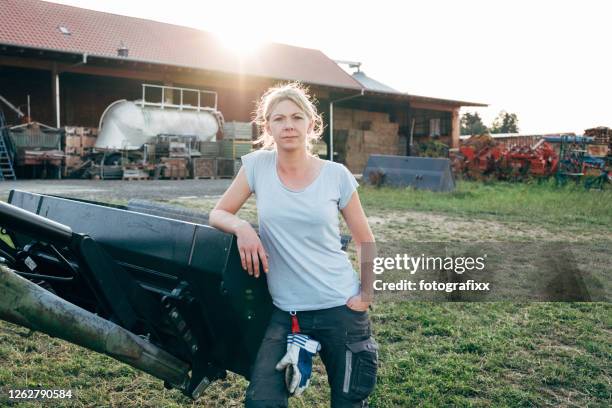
289,126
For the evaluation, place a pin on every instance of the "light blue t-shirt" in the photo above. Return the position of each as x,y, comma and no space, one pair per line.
300,232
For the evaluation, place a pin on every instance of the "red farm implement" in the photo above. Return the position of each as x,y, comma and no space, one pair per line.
481,157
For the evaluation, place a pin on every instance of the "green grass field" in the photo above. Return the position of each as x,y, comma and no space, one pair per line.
432,354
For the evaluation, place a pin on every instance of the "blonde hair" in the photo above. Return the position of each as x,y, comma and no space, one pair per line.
296,93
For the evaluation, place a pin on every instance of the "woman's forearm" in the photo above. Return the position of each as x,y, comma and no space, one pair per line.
225,221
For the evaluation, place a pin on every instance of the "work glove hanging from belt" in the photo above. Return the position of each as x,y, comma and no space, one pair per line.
297,362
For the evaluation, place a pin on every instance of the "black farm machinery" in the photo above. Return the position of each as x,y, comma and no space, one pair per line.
153,287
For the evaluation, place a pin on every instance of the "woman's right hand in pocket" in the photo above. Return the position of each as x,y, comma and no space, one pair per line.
252,253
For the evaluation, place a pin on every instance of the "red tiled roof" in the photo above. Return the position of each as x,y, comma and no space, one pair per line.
35,24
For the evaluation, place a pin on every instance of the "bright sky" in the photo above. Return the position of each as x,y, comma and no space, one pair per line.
550,62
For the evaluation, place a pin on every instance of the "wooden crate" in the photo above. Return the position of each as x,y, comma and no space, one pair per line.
203,168
209,149
174,168
173,172
73,141
225,167
71,150
179,162
79,140
73,161
88,141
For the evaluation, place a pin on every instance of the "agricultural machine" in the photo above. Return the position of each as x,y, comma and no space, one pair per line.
166,296
482,158
580,158
565,157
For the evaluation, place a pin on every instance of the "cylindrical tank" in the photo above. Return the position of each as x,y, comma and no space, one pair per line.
127,125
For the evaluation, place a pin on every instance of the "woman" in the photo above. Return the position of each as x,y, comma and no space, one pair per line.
309,276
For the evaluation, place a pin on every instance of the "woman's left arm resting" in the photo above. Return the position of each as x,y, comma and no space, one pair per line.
366,251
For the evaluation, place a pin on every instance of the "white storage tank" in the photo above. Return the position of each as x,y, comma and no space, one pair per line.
127,125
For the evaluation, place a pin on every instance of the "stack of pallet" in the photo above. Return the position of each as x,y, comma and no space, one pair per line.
238,130
357,134
601,134
174,168
230,152
135,172
209,149
602,137
79,142
234,149
237,137
205,166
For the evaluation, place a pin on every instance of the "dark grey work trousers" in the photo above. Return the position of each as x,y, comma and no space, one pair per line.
348,351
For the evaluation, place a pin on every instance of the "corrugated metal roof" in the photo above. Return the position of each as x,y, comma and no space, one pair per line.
371,84
36,24
428,99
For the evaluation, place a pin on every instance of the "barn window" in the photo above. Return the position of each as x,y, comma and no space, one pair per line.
434,127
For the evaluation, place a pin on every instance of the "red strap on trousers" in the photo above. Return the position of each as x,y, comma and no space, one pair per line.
295,327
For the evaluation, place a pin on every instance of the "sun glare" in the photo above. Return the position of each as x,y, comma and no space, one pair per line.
240,43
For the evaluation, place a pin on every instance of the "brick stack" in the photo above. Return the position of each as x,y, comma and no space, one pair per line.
357,134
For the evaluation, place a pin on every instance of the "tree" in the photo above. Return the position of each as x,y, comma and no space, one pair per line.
472,124
505,123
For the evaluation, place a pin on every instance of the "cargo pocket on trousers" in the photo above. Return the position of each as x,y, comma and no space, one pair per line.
360,369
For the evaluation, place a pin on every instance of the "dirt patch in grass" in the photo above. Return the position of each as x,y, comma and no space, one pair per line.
420,225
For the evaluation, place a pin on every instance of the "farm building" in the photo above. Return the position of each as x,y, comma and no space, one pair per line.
68,64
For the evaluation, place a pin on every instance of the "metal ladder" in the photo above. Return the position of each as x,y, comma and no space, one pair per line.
6,164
